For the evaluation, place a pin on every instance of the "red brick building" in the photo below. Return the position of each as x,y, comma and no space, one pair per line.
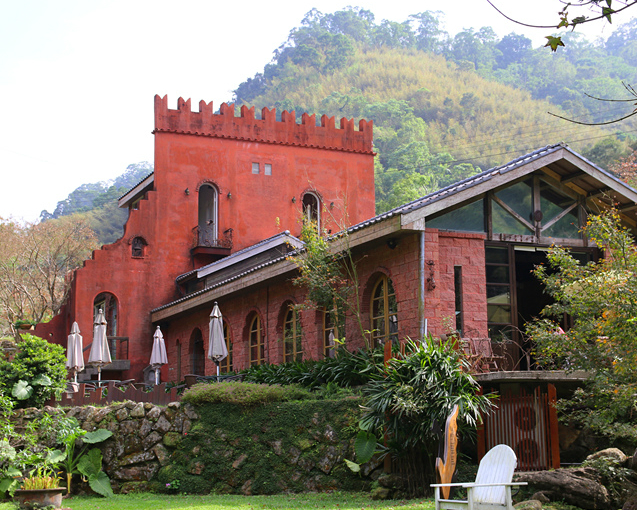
219,220
221,212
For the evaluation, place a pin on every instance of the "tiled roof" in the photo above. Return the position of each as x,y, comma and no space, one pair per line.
239,254
133,187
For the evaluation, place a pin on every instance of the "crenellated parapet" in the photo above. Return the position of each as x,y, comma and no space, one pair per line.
266,130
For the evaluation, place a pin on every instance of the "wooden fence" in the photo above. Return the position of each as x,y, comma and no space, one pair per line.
89,394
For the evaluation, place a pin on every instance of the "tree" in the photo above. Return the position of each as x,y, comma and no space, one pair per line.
35,262
601,298
626,168
603,11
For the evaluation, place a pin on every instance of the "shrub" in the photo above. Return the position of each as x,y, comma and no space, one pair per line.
242,393
35,360
411,404
346,369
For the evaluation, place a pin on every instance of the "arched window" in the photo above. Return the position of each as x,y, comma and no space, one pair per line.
107,302
226,364
384,310
330,333
256,342
137,247
312,209
197,353
207,215
292,350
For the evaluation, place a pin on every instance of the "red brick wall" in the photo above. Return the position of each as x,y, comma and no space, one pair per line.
401,264
194,148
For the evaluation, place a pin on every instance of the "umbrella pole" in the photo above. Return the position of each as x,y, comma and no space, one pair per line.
217,370
99,374
75,376
156,376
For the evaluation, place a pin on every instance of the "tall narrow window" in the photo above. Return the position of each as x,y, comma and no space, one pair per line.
457,287
197,354
499,287
312,209
226,364
293,350
384,309
207,226
256,342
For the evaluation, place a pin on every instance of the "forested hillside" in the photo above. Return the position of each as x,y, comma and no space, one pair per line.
97,203
445,106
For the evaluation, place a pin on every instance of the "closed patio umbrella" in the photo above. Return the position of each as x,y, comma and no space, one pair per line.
158,355
74,351
217,350
100,354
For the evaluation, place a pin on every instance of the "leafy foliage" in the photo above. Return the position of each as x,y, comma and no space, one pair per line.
88,464
602,299
346,369
411,404
329,274
242,393
37,362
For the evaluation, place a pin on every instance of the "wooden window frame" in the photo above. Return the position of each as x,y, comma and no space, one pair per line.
380,337
292,335
255,340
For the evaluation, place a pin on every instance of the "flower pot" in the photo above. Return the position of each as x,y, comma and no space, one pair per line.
26,326
39,498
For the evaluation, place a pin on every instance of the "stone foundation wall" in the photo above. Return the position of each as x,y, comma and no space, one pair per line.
296,446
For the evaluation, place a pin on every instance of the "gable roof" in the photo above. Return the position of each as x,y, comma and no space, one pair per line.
559,163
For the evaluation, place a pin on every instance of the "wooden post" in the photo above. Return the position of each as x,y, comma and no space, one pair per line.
553,428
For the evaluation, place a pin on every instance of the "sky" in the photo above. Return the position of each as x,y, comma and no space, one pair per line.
78,78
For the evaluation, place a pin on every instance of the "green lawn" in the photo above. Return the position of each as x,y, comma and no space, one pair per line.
333,501
339,501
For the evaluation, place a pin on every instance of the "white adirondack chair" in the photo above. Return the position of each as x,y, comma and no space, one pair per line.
492,488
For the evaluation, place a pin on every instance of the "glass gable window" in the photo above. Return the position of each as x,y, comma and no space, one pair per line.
469,218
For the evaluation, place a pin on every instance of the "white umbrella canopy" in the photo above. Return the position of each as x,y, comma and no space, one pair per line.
217,350
74,351
158,355
100,354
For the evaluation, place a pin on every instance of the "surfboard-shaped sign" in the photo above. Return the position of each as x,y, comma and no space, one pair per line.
446,466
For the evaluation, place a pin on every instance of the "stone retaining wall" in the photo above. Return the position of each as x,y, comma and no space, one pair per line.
163,448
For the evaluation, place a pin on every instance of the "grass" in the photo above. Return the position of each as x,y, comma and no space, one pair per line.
336,500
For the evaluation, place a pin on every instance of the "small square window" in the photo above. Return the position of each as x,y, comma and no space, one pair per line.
268,169
255,168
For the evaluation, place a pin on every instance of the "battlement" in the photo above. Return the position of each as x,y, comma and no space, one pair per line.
267,129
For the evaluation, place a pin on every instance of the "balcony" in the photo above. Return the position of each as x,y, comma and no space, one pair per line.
207,243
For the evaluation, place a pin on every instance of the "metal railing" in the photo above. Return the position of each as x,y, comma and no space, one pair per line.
206,237
118,346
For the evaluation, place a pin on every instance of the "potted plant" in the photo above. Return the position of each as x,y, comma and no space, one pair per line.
41,489
24,324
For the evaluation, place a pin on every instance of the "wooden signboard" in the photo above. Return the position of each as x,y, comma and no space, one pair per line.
446,467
